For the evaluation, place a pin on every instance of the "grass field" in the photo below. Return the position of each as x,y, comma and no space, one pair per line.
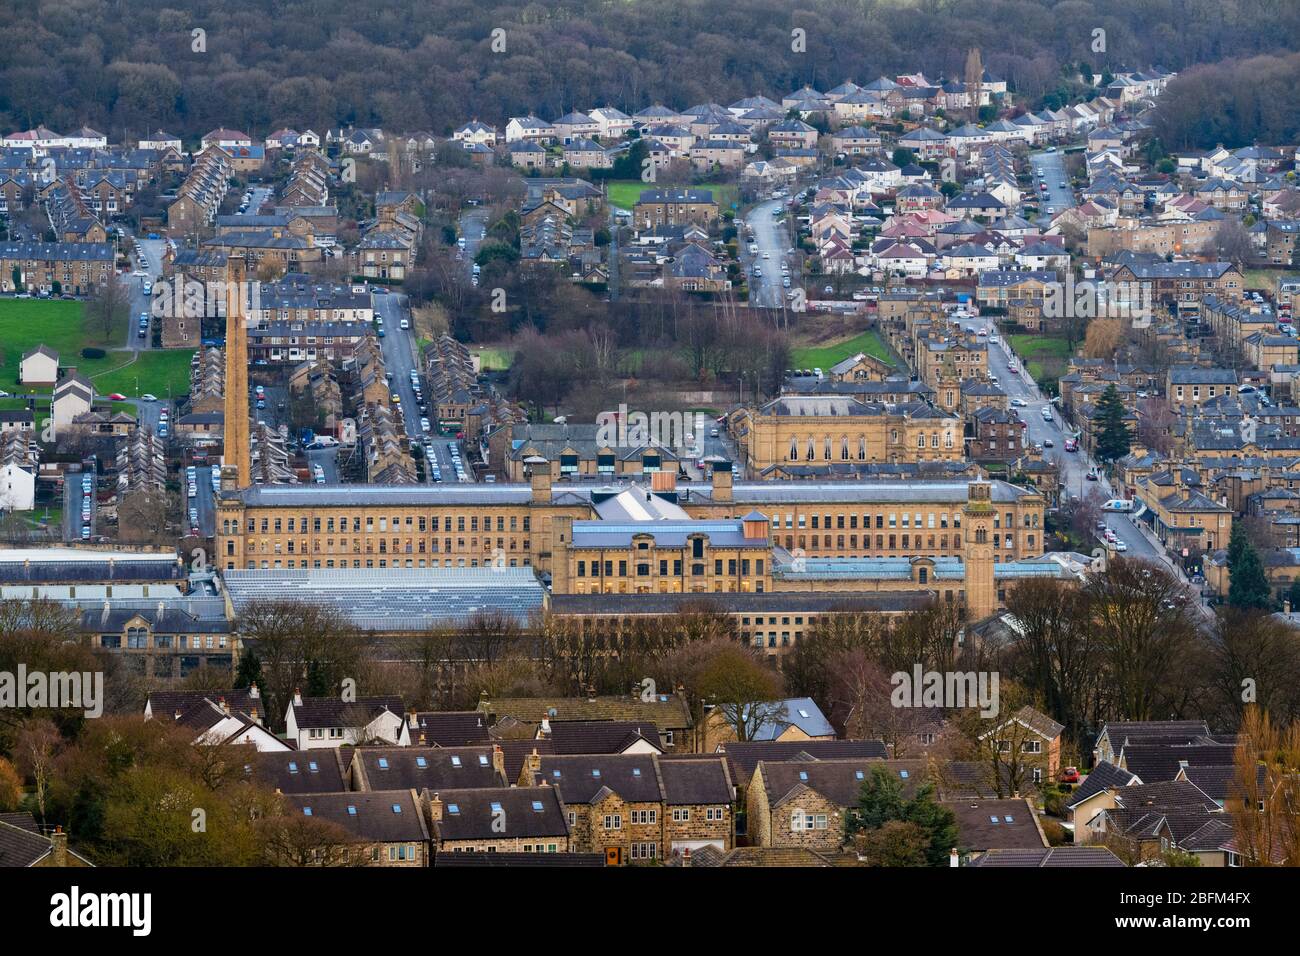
1044,356
1263,280
824,356
625,192
27,323
494,358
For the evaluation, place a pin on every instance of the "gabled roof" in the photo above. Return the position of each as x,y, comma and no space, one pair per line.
1104,776
316,712
452,728
1081,856
601,736
472,814
378,816
838,781
432,768
744,756
995,824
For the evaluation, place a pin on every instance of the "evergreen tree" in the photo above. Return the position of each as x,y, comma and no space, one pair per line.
1248,587
882,800
1113,436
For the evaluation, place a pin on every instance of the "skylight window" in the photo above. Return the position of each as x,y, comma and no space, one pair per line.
482,760
496,807
1007,820
993,820
455,761
537,805
306,811
293,767
453,808
595,772
859,774
803,774
555,773
803,714
421,762
352,811
903,774
311,765
383,763
636,771
397,808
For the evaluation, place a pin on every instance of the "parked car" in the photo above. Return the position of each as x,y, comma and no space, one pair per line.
1070,775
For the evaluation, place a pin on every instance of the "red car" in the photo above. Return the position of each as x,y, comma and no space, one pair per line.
1070,775
117,397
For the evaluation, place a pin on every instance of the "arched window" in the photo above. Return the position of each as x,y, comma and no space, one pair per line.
794,449
844,449
862,449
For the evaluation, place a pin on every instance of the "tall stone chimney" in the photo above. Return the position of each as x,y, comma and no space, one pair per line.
539,477
499,760
58,847
722,478
236,427
561,536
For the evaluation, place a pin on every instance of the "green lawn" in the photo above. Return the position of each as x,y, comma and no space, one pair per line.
1044,356
27,323
494,358
625,192
824,356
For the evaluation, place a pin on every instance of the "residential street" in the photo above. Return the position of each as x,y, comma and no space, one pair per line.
772,239
1139,540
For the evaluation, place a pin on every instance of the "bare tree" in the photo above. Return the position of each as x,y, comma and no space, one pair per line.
298,643
1142,617
36,748
108,307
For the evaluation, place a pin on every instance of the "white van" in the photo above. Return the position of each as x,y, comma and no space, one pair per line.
1118,504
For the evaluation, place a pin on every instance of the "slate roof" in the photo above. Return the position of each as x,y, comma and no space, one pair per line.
989,824
743,756
666,711
533,860
432,768
1081,856
839,781
528,812
374,819
1104,776
600,736
316,712
20,847
451,728
299,771
1155,763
